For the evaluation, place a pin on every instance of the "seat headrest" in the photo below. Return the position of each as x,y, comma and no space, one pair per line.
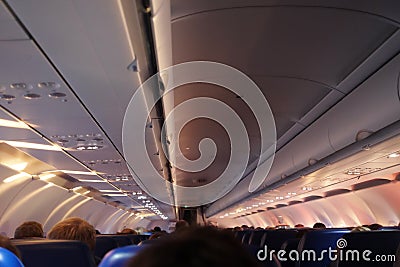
7,258
118,257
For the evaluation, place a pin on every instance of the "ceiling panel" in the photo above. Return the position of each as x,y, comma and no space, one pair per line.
9,28
360,167
89,44
317,44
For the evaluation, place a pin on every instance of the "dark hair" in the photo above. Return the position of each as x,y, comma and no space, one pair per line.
194,247
375,226
157,229
181,224
319,225
29,229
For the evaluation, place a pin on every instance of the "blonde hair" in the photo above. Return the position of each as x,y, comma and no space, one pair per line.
74,229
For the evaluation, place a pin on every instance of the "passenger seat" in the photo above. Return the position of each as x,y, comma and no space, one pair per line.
50,253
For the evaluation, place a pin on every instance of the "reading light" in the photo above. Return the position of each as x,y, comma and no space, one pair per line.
394,155
88,147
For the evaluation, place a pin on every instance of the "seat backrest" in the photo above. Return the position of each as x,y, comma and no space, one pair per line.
317,241
246,237
390,228
275,238
239,235
257,238
288,246
121,239
382,244
291,244
118,257
136,239
50,253
103,245
263,256
7,258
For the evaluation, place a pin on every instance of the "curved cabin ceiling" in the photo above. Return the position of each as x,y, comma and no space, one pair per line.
327,70
70,90
318,65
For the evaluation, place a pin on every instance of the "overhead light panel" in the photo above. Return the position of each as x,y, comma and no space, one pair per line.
76,188
394,155
20,166
16,177
13,124
78,172
46,176
32,145
116,195
92,181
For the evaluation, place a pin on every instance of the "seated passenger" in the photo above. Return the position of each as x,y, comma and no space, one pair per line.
181,225
360,229
319,225
30,229
194,247
157,229
237,228
245,227
75,229
157,235
375,226
6,243
127,231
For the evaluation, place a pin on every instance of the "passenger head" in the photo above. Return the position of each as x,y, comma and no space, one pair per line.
28,230
360,229
6,243
319,225
299,225
128,231
157,229
245,227
181,225
194,247
74,229
157,235
375,226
